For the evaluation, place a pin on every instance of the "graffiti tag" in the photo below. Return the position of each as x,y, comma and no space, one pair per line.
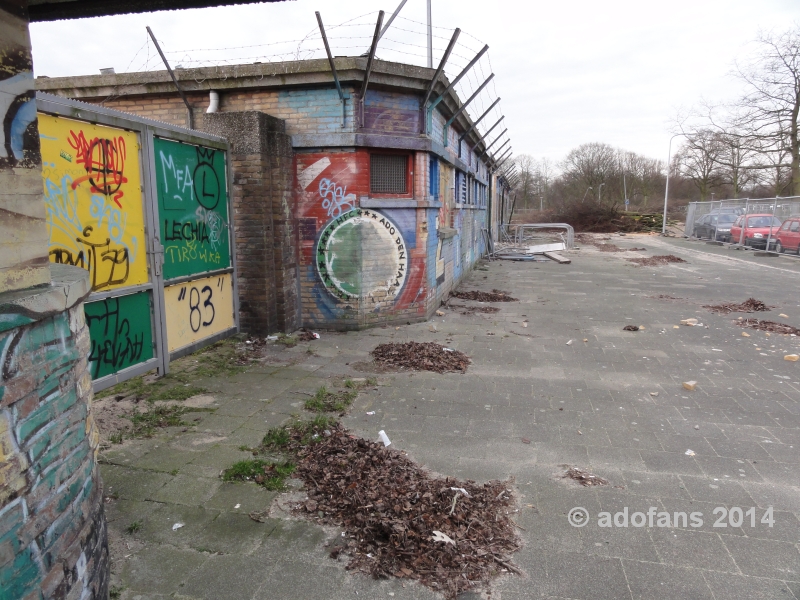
334,199
104,162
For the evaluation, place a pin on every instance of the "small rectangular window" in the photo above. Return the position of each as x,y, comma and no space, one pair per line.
388,174
433,176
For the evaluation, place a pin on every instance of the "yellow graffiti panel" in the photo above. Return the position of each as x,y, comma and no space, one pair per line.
93,195
198,309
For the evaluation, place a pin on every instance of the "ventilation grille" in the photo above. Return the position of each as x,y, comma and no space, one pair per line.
387,174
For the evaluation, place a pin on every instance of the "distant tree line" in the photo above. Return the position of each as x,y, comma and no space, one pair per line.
749,147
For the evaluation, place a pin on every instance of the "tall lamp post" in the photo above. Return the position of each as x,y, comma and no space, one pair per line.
666,189
586,192
599,191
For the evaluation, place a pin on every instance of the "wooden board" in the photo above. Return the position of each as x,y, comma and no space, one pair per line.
557,257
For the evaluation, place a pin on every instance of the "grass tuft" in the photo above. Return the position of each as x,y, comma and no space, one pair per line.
268,474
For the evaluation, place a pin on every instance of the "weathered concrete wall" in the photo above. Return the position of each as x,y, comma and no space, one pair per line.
53,540
23,230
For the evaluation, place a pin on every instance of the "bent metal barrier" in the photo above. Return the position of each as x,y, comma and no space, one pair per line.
144,207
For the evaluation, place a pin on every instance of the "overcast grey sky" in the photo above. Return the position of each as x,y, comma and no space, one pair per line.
567,72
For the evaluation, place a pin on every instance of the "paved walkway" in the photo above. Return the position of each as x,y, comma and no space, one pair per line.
613,404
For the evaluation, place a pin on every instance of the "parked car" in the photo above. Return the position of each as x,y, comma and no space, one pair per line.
715,226
757,230
788,236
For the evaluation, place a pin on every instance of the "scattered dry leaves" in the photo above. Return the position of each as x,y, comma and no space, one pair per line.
389,509
585,478
770,326
656,261
750,305
493,296
424,356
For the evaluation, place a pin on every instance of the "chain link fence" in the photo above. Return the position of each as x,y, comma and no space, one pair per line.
771,224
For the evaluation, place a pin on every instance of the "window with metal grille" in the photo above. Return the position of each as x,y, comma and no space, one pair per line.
388,174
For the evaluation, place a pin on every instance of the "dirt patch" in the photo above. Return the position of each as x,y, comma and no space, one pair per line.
493,296
425,356
750,305
399,520
585,478
656,261
471,310
770,326
630,328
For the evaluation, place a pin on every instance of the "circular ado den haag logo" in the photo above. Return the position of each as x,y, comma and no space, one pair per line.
362,254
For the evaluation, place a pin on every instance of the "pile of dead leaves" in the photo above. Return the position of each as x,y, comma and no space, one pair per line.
305,335
770,326
493,296
750,305
425,356
656,261
585,478
450,535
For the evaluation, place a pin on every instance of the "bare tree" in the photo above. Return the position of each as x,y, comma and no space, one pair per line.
698,160
771,105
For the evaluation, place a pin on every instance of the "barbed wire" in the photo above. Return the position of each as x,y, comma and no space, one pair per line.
406,41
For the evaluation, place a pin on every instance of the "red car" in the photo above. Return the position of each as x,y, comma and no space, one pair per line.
757,230
788,236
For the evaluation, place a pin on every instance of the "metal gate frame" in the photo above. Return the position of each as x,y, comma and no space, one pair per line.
147,130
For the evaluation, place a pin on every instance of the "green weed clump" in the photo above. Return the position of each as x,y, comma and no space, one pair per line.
270,475
326,401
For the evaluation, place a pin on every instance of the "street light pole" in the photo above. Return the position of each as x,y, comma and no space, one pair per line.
599,191
586,192
666,189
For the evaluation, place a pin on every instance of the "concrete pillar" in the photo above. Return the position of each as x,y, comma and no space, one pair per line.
53,541
23,228
264,218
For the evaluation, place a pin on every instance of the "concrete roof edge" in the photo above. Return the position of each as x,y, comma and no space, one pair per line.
302,73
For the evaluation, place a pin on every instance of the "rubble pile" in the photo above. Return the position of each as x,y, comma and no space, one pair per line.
421,356
398,520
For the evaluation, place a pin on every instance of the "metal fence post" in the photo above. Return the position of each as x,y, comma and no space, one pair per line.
774,208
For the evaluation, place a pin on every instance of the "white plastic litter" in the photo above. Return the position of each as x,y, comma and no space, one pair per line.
462,490
447,349
237,506
438,536
569,343
316,335
372,412
177,526
690,453
384,438
272,338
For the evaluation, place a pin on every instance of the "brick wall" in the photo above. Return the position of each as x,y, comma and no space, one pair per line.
264,219
52,526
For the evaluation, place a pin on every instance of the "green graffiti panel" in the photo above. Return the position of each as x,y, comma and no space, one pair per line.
193,208
121,333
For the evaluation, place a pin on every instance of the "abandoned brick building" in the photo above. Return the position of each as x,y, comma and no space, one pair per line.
348,212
